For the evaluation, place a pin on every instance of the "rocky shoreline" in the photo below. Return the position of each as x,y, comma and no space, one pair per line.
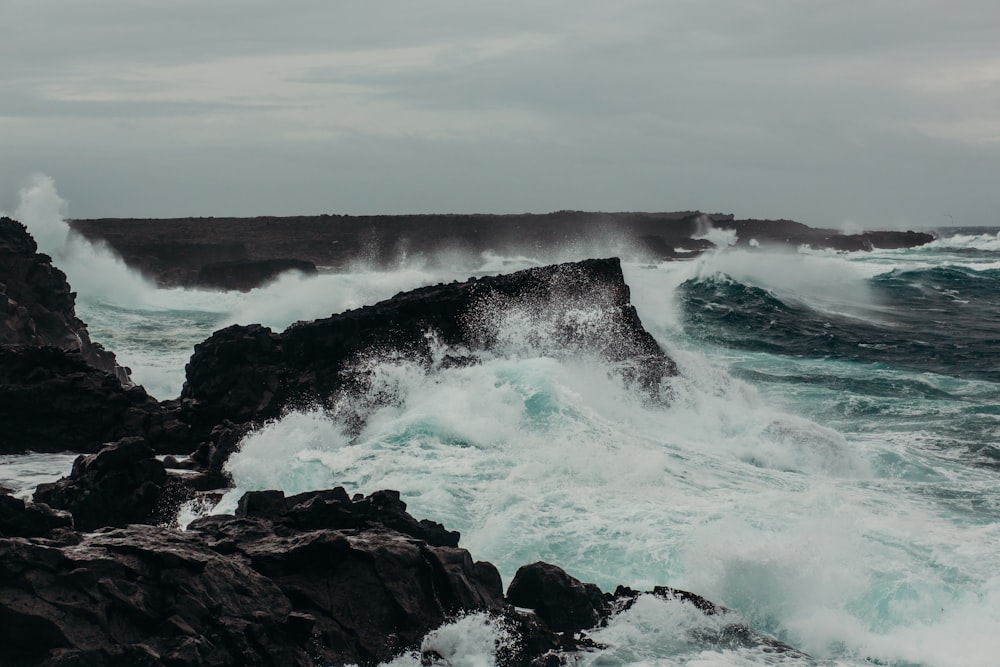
241,253
94,571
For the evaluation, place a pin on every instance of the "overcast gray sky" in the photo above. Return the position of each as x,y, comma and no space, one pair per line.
884,113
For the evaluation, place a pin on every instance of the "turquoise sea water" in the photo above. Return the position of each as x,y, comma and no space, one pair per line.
828,466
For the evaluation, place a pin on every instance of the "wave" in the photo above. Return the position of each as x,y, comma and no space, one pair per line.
944,319
986,241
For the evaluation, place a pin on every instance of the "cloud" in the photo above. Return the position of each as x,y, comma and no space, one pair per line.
817,110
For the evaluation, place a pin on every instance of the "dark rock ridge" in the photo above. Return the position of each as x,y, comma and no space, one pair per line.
313,579
37,306
52,400
244,275
250,374
59,391
175,251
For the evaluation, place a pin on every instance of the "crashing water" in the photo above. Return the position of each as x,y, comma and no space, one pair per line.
827,467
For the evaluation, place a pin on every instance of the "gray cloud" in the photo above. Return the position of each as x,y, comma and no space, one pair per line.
887,113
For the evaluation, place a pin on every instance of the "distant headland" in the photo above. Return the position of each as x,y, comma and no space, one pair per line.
242,253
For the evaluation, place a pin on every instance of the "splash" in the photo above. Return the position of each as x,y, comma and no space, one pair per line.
92,270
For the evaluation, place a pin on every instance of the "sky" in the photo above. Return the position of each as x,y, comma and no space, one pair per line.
871,114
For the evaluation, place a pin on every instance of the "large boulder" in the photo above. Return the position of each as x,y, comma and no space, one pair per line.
120,485
250,373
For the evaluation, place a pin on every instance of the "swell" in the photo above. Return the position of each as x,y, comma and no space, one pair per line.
943,320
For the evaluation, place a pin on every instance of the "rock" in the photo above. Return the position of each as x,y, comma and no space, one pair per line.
59,391
251,374
142,596
120,485
312,579
244,275
174,251
879,240
20,519
37,305
563,603
236,591
52,400
335,509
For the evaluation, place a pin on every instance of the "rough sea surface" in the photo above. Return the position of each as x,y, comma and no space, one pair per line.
829,465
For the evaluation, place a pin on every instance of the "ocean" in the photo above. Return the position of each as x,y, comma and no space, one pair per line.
828,466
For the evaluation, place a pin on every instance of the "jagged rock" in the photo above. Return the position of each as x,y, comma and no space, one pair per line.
562,602
235,591
308,580
20,519
59,391
52,400
37,306
335,509
250,374
120,485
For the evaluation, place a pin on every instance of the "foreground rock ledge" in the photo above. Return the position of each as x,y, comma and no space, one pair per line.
308,580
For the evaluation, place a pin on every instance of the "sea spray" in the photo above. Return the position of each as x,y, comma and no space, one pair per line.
849,506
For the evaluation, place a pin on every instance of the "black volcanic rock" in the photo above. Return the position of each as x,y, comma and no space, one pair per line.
250,374
315,579
232,591
563,603
21,519
244,275
52,400
59,391
37,306
119,485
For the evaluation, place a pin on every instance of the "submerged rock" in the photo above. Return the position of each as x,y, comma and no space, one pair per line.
250,374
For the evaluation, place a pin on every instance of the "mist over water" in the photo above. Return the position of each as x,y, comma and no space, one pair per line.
840,495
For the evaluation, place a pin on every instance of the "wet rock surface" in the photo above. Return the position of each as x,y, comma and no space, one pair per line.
52,400
312,579
250,373
37,306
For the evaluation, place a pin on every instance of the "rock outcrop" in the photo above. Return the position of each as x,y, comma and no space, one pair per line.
52,400
176,251
244,275
313,579
37,306
250,374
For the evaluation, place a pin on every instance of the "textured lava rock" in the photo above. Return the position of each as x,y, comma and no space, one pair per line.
37,306
250,374
52,400
119,485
